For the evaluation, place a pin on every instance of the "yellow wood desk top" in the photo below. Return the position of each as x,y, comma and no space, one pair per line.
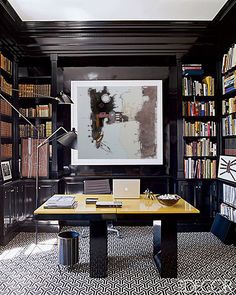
129,206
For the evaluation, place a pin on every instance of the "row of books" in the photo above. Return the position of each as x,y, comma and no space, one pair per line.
5,64
229,106
33,90
5,108
228,212
197,108
193,87
229,59
229,195
229,125
5,86
39,111
199,168
192,69
6,151
199,128
5,129
27,130
201,148
229,82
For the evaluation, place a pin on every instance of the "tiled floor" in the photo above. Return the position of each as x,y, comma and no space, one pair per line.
206,266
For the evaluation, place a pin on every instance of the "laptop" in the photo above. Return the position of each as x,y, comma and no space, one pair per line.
126,188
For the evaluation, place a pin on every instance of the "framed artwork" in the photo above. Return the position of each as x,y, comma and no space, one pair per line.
6,170
227,168
118,122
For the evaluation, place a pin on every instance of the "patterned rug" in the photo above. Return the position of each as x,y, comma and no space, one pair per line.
205,266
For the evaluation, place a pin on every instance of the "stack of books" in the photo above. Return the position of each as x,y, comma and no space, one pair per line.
5,64
60,201
5,108
192,69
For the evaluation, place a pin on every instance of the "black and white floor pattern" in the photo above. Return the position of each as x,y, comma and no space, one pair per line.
205,266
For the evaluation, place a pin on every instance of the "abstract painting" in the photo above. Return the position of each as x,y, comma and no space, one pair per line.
118,122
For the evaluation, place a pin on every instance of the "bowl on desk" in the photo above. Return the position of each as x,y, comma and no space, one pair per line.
168,199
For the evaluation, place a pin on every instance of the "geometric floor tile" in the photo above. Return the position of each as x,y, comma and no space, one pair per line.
205,266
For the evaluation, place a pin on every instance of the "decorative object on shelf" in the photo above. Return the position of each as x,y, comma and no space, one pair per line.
168,199
6,170
227,168
149,194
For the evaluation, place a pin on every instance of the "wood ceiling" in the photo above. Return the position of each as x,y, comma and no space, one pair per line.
108,38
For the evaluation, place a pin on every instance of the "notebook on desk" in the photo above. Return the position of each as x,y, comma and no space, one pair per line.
60,202
126,188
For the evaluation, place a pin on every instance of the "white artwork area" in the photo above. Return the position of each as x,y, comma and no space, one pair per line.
118,122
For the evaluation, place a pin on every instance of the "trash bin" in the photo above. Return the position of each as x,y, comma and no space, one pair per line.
68,247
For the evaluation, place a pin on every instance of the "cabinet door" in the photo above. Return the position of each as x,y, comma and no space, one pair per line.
206,197
7,212
29,198
46,190
187,192
21,201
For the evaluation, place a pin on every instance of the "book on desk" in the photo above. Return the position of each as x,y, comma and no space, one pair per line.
60,202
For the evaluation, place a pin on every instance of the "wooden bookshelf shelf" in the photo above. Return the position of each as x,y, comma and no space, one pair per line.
212,118
229,71
35,77
226,115
230,205
198,97
229,94
6,118
200,157
229,136
196,137
37,118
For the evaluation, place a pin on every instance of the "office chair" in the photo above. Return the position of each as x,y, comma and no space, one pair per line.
96,187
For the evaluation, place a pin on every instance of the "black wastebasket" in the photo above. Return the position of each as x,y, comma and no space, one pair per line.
68,247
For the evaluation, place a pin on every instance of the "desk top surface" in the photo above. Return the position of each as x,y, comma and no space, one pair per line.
129,206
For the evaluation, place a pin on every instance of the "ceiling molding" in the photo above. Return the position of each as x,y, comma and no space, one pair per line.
110,37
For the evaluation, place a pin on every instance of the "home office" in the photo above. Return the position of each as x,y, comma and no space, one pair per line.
94,96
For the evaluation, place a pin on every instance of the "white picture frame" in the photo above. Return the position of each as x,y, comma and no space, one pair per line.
227,168
6,170
123,138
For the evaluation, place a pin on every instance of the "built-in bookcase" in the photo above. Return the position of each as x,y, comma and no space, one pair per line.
6,115
228,129
36,104
199,123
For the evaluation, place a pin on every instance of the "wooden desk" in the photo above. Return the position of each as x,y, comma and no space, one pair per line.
132,209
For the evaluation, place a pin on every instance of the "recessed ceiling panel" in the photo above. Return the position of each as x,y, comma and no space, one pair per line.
94,10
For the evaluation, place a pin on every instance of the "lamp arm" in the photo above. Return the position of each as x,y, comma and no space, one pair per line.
49,137
18,112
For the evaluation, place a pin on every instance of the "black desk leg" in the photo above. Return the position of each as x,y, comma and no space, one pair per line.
168,249
165,248
98,249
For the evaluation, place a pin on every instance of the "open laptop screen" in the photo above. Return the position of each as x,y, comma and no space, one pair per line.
126,188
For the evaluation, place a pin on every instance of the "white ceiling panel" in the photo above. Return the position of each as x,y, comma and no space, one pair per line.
94,10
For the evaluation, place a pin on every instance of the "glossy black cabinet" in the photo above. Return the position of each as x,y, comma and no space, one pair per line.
9,211
203,196
18,202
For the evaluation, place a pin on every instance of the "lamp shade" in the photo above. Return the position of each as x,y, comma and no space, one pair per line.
69,140
63,98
